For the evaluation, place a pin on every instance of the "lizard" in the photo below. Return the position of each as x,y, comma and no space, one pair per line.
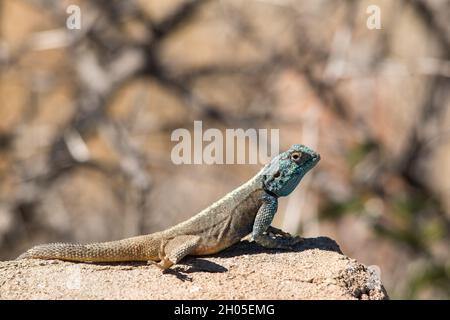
246,211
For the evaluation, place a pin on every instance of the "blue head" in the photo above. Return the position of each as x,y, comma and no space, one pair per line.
282,175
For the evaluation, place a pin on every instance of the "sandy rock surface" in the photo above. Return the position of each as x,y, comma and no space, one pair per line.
315,270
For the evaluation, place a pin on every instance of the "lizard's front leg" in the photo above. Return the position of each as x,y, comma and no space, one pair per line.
261,226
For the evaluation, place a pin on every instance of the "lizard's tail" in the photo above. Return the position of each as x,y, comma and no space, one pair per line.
141,248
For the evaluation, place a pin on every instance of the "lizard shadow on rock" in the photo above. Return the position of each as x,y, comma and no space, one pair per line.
249,248
194,265
197,264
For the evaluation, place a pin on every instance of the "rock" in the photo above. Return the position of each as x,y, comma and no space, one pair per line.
316,269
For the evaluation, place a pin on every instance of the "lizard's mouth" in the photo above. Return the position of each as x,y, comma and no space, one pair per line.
315,157
313,160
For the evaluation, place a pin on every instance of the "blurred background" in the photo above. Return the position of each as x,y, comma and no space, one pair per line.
86,118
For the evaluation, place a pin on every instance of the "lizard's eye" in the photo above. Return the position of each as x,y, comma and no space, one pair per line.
295,156
276,174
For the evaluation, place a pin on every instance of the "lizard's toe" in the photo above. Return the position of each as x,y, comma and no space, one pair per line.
164,264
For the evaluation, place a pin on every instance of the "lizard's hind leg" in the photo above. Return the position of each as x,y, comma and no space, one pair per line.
175,249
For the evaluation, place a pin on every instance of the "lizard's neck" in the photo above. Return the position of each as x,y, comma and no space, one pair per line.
255,183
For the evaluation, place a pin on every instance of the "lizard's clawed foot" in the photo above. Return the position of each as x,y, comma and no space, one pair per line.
286,237
276,231
286,241
164,264
277,241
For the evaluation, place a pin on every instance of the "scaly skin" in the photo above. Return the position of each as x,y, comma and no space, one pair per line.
248,209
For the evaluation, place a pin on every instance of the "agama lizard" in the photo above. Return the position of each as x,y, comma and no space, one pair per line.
249,209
